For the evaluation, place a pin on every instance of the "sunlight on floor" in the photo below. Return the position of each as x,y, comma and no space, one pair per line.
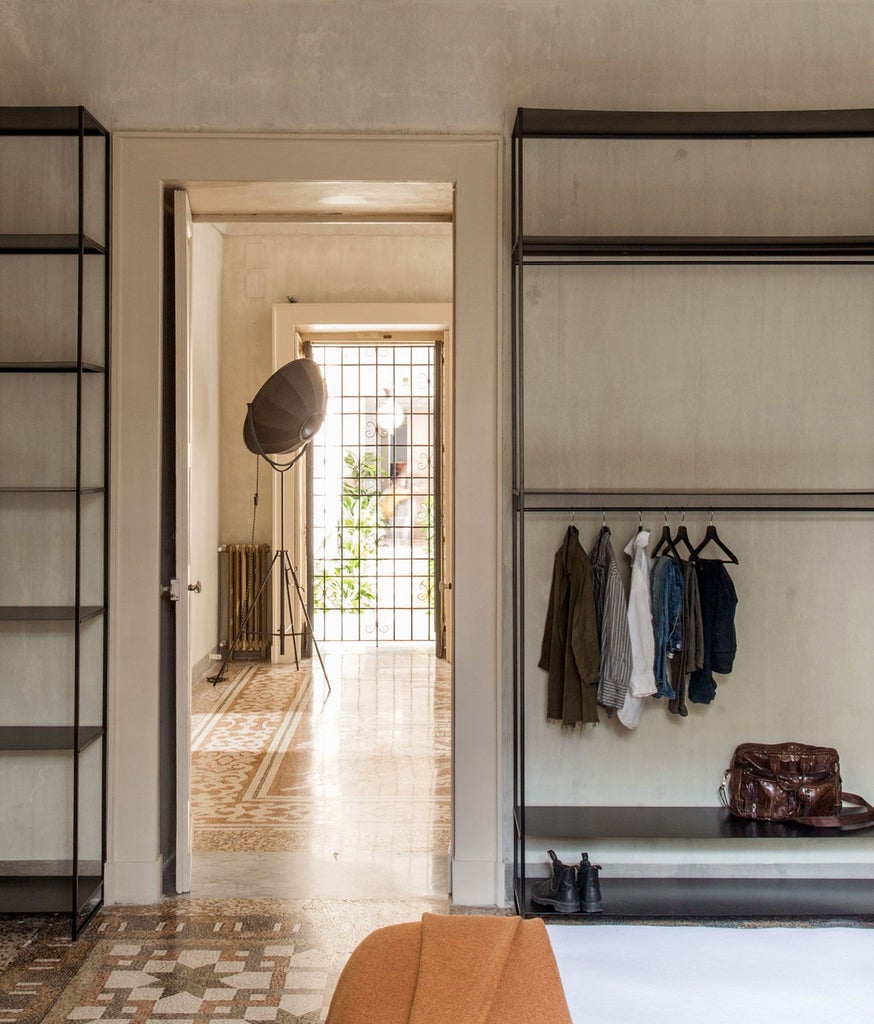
300,793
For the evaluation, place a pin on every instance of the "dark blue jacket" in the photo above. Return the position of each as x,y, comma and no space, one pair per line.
718,602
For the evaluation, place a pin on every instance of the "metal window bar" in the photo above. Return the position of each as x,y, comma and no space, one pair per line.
373,551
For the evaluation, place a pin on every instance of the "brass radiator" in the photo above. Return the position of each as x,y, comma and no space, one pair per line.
242,570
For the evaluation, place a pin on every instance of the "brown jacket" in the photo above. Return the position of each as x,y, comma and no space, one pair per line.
570,653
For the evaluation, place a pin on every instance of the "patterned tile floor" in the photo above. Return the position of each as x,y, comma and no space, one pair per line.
195,962
339,792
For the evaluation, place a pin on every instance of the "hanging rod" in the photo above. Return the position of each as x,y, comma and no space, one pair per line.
550,500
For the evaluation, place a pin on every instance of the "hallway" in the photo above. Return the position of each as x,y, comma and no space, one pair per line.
301,793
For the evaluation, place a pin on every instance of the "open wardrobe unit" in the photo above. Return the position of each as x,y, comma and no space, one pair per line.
54,509
692,327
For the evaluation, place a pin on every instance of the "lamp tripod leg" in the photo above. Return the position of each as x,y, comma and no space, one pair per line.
306,614
229,653
286,595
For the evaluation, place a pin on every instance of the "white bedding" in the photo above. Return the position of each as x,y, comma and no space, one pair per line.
624,974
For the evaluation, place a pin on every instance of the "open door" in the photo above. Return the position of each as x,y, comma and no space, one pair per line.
182,238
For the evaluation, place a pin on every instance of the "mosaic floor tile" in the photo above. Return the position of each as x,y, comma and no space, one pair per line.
196,961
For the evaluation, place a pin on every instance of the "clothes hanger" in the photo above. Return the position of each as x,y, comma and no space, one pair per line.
640,520
682,537
665,541
711,536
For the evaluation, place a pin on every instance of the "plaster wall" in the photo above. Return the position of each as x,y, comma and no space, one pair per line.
326,65
707,377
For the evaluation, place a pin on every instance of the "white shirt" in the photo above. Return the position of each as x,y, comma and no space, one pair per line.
642,683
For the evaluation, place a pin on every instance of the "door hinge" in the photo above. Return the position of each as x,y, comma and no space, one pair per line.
171,589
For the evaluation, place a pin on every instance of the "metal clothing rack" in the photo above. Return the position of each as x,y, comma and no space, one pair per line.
655,898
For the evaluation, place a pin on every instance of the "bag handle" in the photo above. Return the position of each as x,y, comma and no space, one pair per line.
852,819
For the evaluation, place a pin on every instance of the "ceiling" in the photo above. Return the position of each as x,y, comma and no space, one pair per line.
321,203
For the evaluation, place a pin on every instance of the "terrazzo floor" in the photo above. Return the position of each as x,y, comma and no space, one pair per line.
317,818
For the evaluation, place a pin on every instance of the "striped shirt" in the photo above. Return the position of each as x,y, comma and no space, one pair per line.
611,609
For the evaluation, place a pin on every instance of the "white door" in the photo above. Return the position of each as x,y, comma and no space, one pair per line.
183,235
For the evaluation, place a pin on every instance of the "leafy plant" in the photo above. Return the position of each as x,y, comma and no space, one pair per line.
342,583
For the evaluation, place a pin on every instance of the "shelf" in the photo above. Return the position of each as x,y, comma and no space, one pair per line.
49,245
48,121
71,501
50,367
556,500
533,122
47,613
47,737
721,899
51,490
621,823
537,827
46,894
548,249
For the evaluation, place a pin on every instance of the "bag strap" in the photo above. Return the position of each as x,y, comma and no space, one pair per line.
852,819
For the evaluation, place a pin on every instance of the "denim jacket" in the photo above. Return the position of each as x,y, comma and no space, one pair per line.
667,587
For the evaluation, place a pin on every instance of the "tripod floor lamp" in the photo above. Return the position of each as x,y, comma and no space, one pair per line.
280,422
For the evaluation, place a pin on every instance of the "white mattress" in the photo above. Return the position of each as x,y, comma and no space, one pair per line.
624,974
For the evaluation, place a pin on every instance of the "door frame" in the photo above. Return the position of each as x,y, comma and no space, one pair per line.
145,163
295,324
182,227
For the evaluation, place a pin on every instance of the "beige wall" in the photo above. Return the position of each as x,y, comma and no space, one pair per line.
708,377
324,65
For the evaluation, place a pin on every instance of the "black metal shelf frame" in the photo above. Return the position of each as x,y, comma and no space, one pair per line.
79,890
637,898
49,737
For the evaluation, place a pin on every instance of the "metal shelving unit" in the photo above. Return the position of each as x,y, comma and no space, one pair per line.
57,739
666,898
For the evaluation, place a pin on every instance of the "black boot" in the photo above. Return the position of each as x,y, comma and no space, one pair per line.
590,893
560,890
583,875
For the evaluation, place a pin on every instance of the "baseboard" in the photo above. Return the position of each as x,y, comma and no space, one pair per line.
134,881
206,665
477,883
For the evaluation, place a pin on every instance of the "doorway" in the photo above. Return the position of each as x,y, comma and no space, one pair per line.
143,163
232,824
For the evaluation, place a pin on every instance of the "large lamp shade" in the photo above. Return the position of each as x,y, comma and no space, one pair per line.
287,411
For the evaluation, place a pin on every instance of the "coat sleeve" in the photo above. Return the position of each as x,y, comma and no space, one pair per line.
585,642
547,644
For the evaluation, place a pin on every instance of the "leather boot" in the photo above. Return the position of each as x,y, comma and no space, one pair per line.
583,875
559,891
590,894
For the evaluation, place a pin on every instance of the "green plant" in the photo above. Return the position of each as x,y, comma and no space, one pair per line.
342,583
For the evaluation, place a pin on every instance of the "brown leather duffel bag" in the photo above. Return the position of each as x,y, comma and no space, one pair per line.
790,782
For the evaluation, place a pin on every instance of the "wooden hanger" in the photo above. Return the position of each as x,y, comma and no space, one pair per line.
711,536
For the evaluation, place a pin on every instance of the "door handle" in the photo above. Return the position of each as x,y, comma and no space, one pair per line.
196,587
